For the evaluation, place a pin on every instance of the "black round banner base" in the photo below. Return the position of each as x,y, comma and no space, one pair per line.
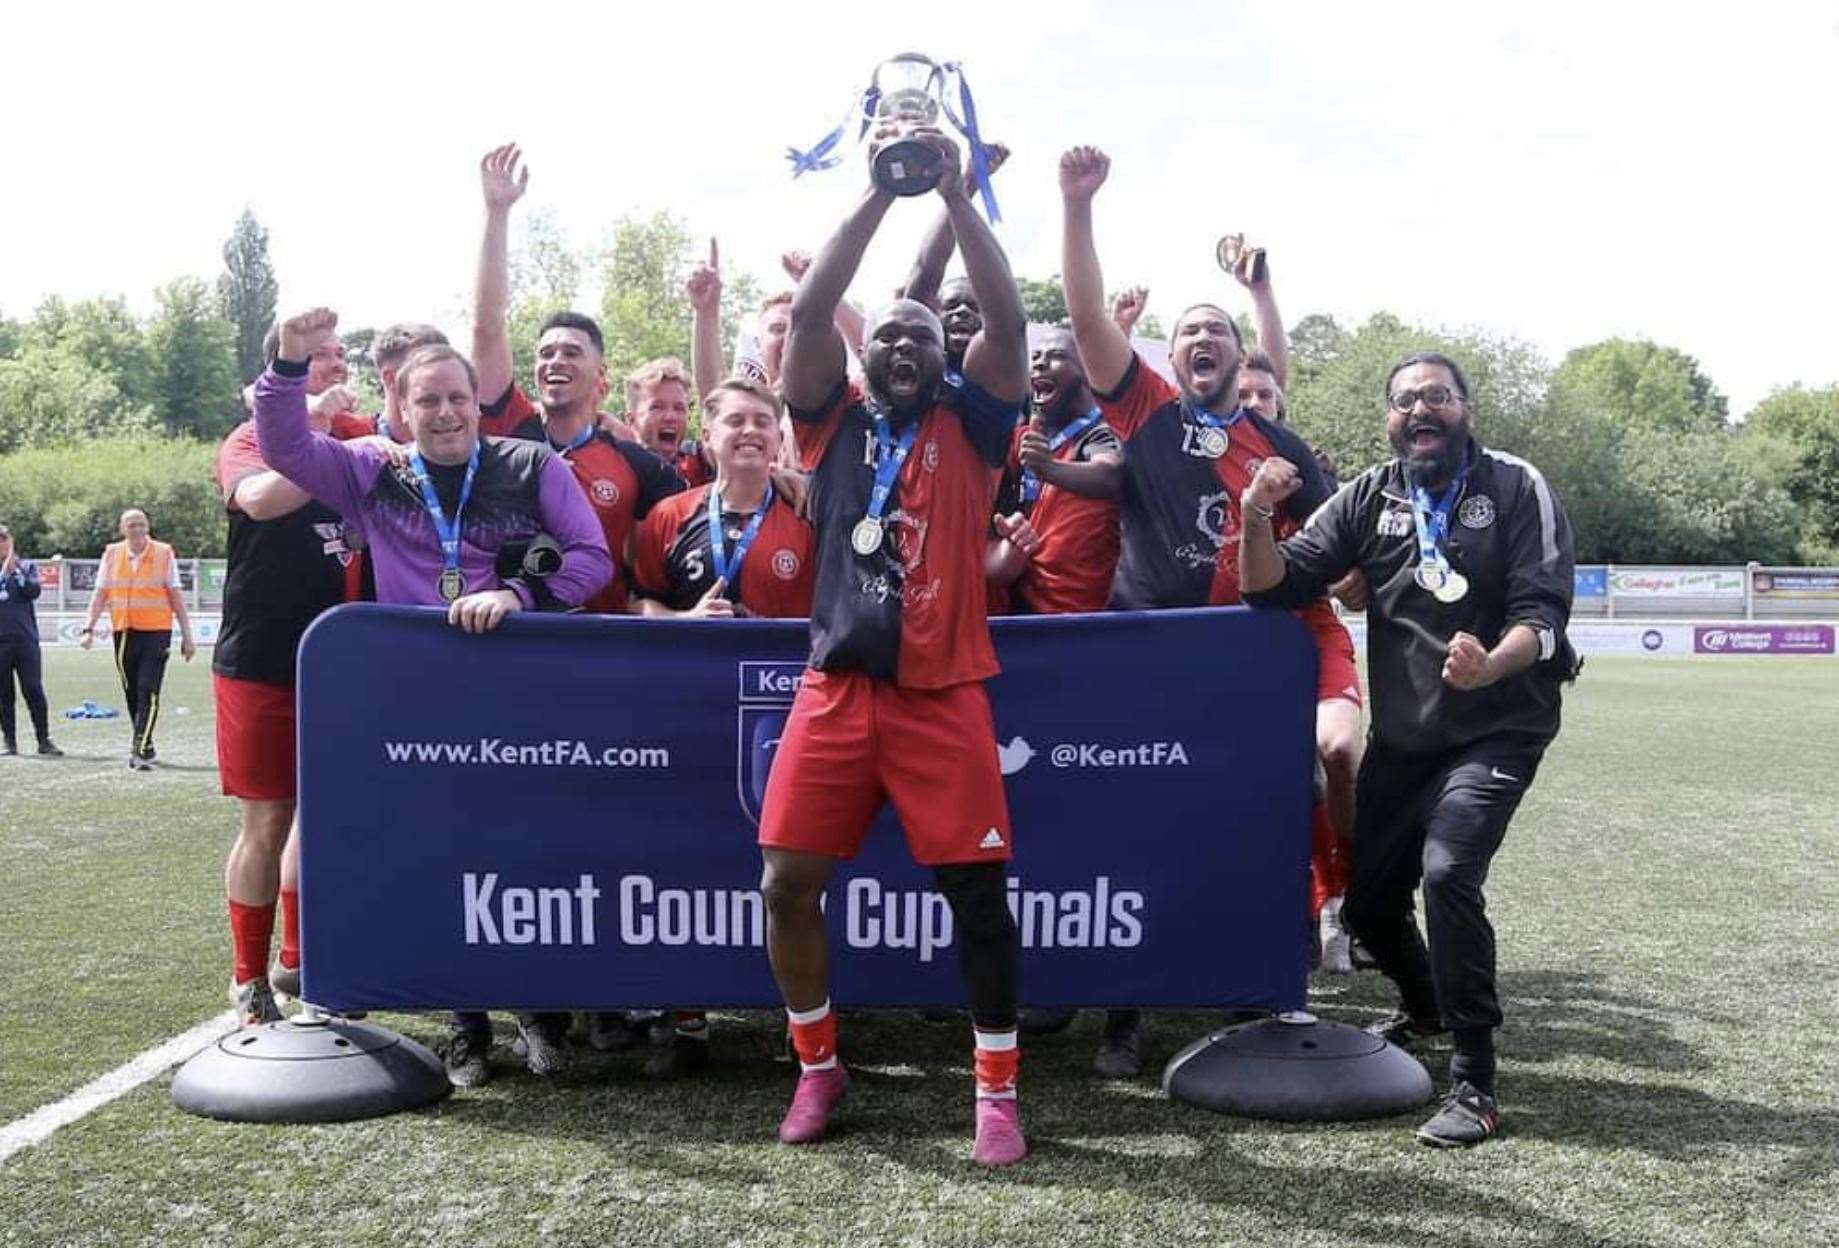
313,1069
1296,1068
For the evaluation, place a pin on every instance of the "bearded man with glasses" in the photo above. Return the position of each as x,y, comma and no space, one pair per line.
1469,557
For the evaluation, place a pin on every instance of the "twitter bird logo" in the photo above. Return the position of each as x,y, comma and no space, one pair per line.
1014,756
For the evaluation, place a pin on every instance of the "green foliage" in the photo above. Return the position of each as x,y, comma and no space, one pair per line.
50,394
1642,385
192,348
247,290
643,309
1043,300
1805,425
69,499
361,364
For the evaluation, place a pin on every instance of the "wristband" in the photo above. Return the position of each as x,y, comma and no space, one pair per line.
1266,513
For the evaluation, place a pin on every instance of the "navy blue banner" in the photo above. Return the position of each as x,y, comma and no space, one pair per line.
562,814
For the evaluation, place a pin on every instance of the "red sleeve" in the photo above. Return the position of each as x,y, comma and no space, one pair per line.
349,425
649,542
238,459
1142,392
812,431
500,418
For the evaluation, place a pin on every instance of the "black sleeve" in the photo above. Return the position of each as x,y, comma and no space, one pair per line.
1099,440
1541,564
988,422
657,479
1320,553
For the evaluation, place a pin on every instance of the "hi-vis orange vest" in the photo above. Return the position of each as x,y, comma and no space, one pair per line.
137,596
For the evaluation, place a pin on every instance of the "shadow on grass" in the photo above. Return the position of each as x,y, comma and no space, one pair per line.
910,1108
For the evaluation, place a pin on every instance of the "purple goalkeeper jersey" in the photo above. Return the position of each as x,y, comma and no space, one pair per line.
521,489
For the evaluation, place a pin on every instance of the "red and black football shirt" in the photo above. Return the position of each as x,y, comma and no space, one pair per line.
622,480
1079,536
1179,515
914,611
673,564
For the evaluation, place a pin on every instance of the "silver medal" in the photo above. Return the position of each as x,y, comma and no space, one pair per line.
865,538
451,585
1213,442
1455,585
1431,576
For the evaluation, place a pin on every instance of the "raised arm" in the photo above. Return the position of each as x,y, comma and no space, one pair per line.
502,181
815,363
1254,273
928,273
850,320
997,358
338,474
1104,348
268,496
707,360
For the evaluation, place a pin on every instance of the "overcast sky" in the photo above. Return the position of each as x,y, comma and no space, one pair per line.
1561,174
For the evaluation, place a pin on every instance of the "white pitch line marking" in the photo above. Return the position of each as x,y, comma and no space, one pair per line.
36,1126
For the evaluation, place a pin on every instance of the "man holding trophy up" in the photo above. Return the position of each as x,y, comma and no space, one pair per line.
892,707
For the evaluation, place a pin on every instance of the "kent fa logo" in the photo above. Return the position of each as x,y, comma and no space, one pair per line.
1476,512
765,702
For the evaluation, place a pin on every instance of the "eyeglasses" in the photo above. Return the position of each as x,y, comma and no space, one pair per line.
1433,396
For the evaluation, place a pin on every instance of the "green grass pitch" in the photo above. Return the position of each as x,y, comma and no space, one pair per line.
1667,902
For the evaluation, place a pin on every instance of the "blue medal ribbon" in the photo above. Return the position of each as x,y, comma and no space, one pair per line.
1031,484
447,530
580,440
1431,519
726,569
1211,420
980,152
888,459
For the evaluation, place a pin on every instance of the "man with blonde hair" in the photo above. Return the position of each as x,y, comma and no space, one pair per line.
658,403
139,584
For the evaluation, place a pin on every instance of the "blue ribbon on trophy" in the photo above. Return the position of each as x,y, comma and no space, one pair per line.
917,95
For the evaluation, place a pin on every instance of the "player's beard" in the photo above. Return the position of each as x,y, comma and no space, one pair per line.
1438,468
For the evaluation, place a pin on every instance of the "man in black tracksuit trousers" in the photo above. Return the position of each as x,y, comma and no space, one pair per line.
1466,648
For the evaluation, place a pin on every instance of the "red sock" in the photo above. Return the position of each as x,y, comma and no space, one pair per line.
251,928
1328,865
814,1037
290,928
998,1062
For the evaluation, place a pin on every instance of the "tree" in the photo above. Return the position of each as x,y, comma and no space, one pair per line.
78,371
1642,385
361,364
643,309
1044,300
1805,425
193,353
246,292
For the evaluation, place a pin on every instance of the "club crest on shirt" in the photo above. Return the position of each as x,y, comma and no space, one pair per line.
908,533
785,563
929,458
1215,519
333,541
605,493
1476,512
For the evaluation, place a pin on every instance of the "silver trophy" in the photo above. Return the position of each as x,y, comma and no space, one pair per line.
908,92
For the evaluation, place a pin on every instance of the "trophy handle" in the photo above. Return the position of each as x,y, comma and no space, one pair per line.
935,80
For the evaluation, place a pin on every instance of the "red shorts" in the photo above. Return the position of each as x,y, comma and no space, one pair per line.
255,738
853,742
1337,674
